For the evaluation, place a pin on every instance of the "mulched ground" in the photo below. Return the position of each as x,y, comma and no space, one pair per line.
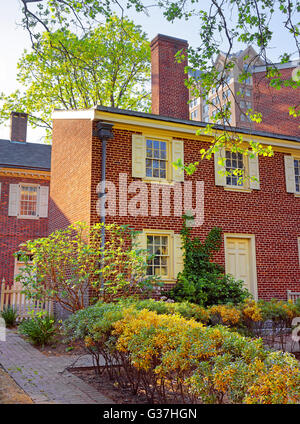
108,388
58,346
10,392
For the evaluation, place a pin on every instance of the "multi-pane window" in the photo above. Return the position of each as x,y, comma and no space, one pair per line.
248,79
226,94
158,247
156,158
245,118
297,174
234,162
194,114
205,109
28,200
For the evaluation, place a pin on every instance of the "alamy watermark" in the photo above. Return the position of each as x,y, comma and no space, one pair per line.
296,329
2,330
143,199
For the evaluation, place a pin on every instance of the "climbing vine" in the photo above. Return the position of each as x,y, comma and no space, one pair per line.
203,281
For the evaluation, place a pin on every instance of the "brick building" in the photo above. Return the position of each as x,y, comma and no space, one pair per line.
254,93
24,192
274,104
260,220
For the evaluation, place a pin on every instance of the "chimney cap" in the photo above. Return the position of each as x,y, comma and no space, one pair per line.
168,38
19,114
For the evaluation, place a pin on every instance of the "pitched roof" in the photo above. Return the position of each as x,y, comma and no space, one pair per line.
25,155
197,123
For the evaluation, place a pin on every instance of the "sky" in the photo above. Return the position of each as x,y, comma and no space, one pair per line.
14,40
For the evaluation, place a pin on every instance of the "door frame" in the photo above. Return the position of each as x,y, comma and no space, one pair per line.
252,257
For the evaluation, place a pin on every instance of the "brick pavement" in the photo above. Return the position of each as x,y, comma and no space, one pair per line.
45,379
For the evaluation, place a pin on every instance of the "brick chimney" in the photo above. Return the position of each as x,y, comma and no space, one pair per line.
18,126
169,94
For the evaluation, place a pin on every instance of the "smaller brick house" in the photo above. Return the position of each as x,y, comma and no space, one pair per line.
24,193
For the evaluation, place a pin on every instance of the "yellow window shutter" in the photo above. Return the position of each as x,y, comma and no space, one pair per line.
289,174
138,156
178,255
220,177
254,172
177,153
141,240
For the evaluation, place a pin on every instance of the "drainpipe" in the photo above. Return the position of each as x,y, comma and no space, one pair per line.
104,132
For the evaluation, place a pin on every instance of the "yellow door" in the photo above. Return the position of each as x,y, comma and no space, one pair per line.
238,260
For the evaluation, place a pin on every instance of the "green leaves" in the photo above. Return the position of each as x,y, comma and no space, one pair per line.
62,266
108,65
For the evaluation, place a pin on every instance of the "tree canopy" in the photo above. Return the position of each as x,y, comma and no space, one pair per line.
107,65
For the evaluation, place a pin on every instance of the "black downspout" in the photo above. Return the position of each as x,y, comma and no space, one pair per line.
104,132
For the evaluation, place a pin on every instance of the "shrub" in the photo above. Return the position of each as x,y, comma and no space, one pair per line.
66,263
186,309
174,359
10,316
212,364
224,314
40,328
202,281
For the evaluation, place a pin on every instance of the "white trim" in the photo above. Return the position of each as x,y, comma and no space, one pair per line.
148,122
252,253
74,114
291,64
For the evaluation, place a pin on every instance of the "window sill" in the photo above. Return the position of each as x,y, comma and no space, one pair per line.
158,181
27,217
170,281
242,190
297,194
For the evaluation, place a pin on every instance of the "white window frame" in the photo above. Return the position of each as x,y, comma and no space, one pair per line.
36,216
297,193
18,264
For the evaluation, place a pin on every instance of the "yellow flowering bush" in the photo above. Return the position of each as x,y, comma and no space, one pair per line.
277,381
225,314
176,359
251,310
213,364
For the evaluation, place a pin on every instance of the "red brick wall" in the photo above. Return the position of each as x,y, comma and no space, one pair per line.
70,173
169,94
13,230
270,213
274,105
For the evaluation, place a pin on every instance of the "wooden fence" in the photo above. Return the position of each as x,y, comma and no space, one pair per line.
293,296
13,297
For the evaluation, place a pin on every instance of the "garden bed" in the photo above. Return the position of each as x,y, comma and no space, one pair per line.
58,346
109,388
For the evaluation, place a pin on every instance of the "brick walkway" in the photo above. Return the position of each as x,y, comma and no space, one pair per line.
45,378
